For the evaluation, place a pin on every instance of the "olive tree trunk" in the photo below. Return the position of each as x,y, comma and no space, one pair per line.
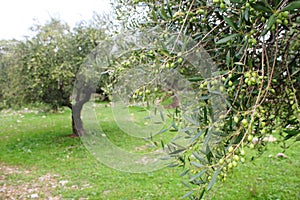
77,124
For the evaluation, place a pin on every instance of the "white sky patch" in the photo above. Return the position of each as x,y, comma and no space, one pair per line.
17,16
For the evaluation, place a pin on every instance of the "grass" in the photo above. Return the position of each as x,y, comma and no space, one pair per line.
39,142
267,177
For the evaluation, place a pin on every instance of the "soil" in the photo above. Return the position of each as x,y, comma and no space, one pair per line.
39,188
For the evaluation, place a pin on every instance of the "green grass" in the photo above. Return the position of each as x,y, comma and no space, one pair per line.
39,142
267,177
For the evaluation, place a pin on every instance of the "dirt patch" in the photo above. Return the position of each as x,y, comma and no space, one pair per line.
38,188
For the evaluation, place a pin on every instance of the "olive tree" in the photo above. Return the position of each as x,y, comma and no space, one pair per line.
8,80
255,45
47,64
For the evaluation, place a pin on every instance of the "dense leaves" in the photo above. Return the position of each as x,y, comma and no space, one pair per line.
43,68
255,45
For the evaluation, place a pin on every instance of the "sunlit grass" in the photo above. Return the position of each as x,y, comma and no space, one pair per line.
39,142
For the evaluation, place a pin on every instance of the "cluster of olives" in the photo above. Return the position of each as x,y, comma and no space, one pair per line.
244,121
228,82
220,3
251,40
171,65
231,161
252,78
168,66
139,93
282,18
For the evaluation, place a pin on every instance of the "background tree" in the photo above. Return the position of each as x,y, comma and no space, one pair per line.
8,62
46,65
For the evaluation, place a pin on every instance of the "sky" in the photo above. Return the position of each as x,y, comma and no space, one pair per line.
17,16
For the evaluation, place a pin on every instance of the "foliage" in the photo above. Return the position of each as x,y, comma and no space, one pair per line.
44,66
255,45
7,68
53,58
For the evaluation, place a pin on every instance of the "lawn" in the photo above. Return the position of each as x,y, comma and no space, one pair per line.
38,159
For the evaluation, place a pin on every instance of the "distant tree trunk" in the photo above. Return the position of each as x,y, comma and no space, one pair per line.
77,125
80,100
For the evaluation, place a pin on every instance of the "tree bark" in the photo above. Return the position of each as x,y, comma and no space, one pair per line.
77,124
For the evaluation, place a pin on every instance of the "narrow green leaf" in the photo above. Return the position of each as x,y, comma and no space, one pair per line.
230,23
214,179
226,39
201,194
197,164
177,151
185,184
175,126
184,173
246,14
197,136
188,194
295,72
163,14
239,138
228,58
164,130
154,15
204,98
237,1
292,6
290,133
261,6
173,165
195,79
205,118
267,4
238,63
162,116
162,144
215,92
277,3
209,154
197,175
198,157
165,51
191,120
163,45
241,51
169,9
270,23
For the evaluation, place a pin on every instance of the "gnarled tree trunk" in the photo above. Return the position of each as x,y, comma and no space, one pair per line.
77,124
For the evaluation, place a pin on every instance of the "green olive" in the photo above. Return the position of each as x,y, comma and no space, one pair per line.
245,122
242,152
222,5
230,149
